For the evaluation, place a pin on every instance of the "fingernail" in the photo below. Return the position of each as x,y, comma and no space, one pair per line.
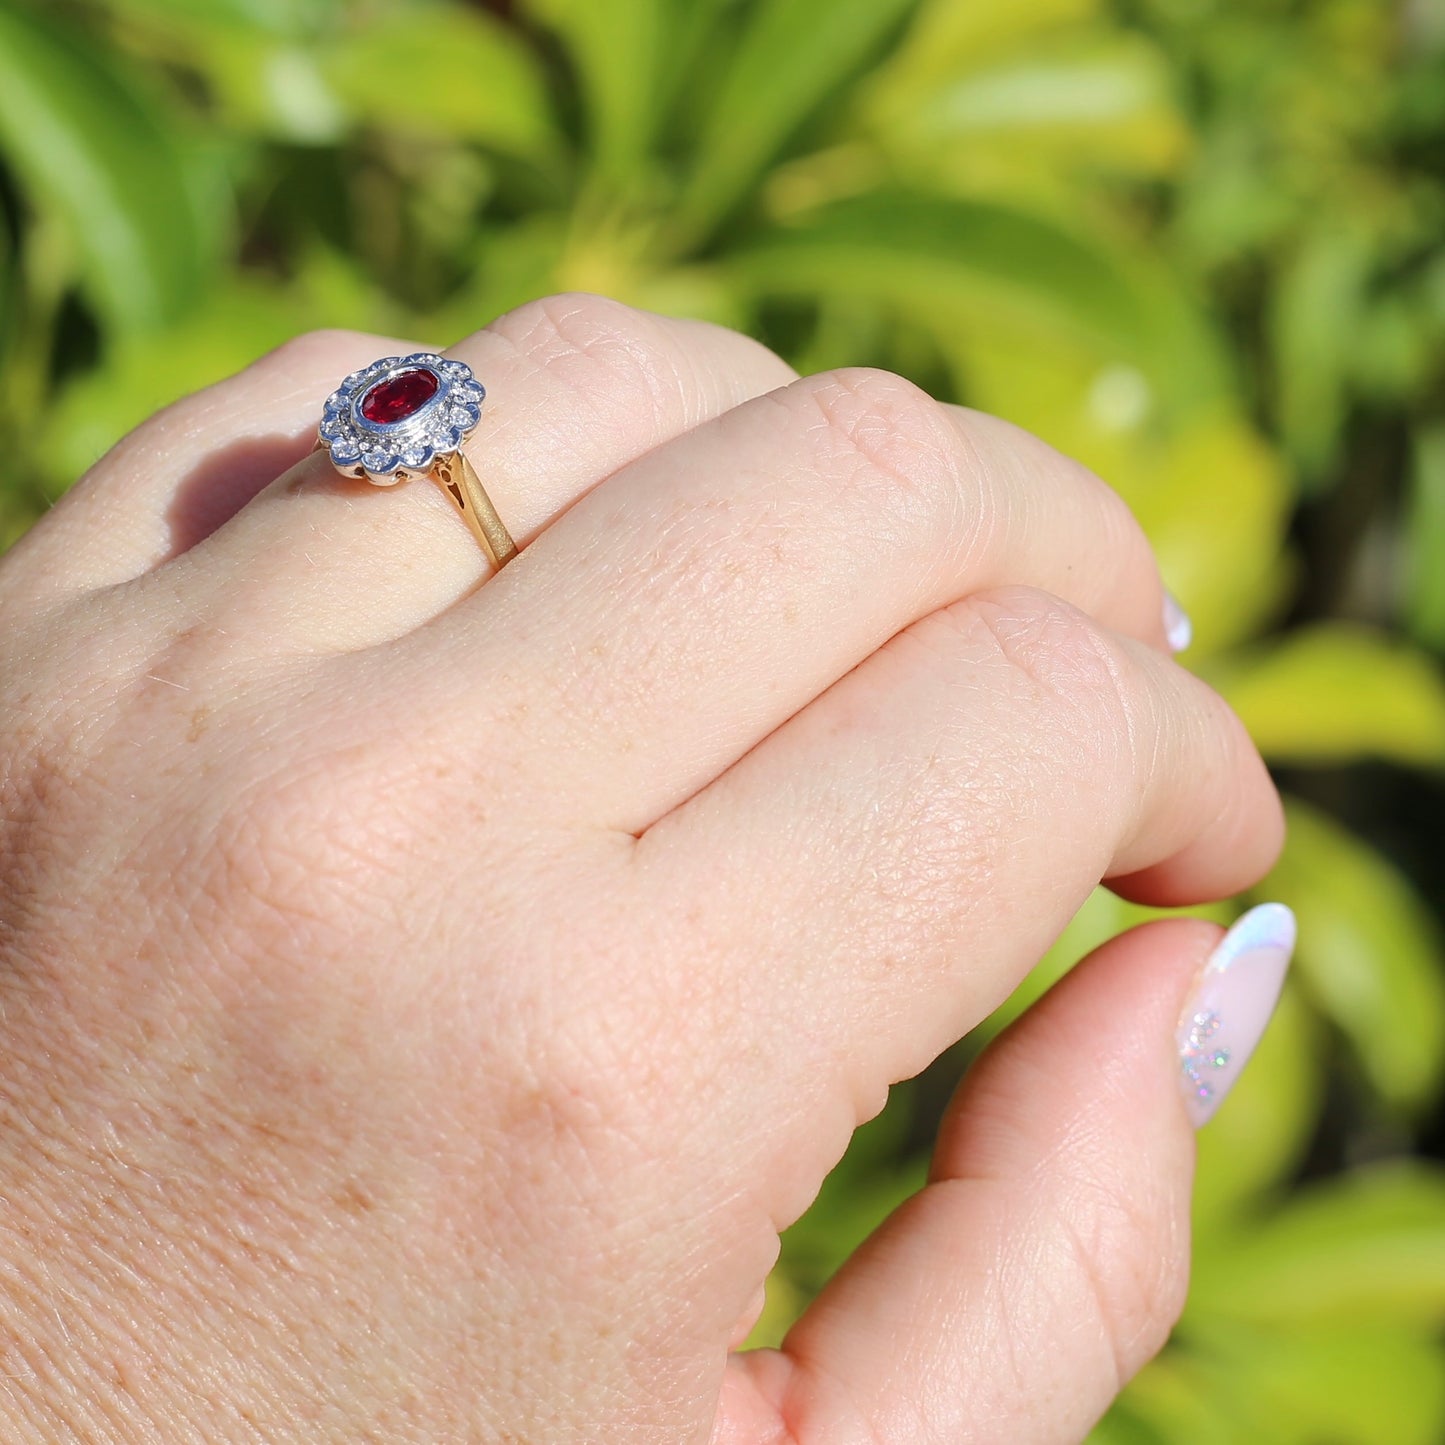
1230,1005
1177,626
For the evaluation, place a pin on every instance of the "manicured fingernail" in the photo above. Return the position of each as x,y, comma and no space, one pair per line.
1231,1003
1177,626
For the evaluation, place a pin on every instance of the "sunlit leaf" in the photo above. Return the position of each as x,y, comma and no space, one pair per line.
1369,952
1337,692
1368,1247
237,324
91,143
1424,537
1178,1400
275,17
793,56
1217,508
953,262
11,291
1315,319
1103,916
513,265
1164,438
866,1187
617,49
783,1302
482,80
1093,102
1365,1384
868,1184
946,37
1118,1427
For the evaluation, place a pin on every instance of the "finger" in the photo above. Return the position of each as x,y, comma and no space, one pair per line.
707,592
177,477
1047,1258
578,387
881,871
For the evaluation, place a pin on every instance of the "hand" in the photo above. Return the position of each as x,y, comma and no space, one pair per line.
423,1003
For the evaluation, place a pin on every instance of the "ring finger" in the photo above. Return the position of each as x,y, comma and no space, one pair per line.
579,386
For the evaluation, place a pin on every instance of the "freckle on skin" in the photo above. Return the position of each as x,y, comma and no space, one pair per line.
199,718
353,1199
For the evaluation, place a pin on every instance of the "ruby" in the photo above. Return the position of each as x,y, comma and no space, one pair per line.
399,397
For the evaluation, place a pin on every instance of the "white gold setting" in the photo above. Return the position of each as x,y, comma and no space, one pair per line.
387,453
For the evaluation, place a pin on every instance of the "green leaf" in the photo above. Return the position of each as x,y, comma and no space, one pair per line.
1369,953
1118,1427
618,51
293,18
1315,317
1424,538
90,144
793,57
951,263
235,325
1367,1249
867,1185
1337,692
946,37
1175,1399
1098,101
483,81
1362,1383
1103,915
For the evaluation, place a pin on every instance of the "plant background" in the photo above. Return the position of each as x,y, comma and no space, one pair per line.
1198,243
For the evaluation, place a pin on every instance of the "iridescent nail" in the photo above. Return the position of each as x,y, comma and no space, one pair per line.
1177,627
1230,1005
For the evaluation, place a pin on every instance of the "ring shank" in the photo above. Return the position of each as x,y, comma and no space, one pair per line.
459,480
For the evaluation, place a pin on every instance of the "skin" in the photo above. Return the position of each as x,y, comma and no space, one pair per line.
424,1002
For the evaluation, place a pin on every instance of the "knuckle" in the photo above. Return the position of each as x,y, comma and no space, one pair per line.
580,1090
1128,1260
595,345
314,855
893,441
1066,661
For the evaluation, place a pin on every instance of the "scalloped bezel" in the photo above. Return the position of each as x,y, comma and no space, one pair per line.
387,453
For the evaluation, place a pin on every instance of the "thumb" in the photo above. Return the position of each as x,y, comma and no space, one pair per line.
1047,1258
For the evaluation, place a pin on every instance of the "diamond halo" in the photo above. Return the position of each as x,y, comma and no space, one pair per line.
387,452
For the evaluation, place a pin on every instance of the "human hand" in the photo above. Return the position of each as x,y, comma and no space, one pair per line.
423,1004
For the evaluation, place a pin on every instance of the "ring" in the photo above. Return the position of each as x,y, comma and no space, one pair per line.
407,416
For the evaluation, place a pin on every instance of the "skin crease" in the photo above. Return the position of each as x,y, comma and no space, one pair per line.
424,1002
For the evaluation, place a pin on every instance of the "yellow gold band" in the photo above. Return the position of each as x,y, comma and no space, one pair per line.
459,480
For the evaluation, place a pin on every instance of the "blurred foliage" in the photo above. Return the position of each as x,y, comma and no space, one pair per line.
1196,243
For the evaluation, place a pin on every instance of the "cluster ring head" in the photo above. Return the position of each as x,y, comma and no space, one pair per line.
391,420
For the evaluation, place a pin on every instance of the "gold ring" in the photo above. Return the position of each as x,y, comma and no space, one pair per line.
407,416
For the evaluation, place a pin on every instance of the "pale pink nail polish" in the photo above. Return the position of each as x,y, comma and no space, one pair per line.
1230,1005
1177,627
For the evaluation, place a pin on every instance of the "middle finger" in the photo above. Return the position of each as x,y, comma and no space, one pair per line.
697,599
878,875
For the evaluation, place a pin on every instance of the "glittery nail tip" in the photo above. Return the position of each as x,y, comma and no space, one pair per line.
1177,626
1231,1004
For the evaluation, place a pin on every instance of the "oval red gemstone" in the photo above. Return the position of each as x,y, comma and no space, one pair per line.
399,397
